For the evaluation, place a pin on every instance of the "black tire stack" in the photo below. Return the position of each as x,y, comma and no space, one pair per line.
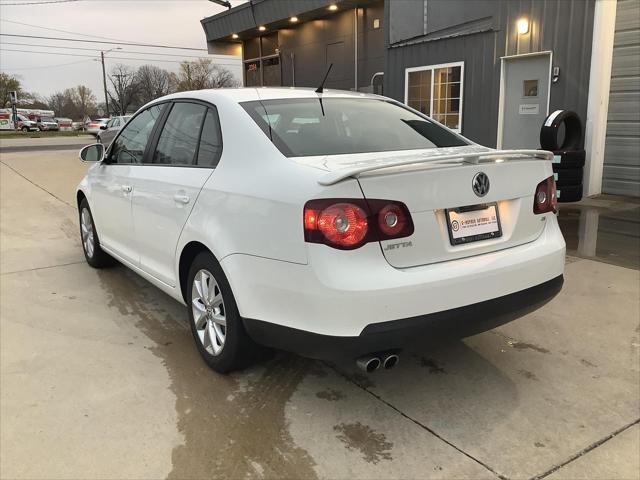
568,161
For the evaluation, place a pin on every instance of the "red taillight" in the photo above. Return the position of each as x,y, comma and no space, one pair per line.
350,223
310,219
343,224
545,199
391,220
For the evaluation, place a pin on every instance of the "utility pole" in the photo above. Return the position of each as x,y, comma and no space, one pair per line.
104,84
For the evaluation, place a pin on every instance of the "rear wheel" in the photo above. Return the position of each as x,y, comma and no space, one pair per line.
25,129
95,256
216,324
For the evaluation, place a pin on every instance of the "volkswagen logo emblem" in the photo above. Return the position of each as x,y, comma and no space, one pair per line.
480,184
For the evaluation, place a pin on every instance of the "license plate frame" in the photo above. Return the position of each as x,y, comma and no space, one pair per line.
476,237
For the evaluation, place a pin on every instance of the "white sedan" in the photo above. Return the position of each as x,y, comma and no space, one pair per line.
331,224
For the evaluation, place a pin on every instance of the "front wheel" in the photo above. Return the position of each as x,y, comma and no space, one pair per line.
93,253
25,129
216,324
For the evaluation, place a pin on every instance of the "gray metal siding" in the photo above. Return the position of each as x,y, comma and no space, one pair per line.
563,27
621,174
406,20
317,43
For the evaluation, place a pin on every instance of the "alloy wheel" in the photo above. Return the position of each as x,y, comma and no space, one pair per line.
88,235
209,313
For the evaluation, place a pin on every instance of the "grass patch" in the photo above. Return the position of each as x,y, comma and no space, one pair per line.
14,134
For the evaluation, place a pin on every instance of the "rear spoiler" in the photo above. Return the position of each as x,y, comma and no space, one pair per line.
437,160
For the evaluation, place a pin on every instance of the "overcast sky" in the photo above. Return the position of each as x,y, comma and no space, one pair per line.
166,22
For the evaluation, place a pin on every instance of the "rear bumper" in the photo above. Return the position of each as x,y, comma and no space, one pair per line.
341,293
397,334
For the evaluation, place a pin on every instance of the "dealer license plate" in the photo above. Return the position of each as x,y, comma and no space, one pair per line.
474,223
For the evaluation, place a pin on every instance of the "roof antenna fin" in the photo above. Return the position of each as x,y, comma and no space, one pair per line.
320,89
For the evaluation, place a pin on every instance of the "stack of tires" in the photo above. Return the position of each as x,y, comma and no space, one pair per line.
568,160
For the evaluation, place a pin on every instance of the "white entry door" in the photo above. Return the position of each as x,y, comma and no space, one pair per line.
524,100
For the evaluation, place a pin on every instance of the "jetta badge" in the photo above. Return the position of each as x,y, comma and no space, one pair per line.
480,184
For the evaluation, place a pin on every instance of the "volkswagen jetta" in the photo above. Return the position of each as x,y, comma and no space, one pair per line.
333,224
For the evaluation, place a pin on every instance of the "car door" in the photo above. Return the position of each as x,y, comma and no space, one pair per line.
184,155
112,184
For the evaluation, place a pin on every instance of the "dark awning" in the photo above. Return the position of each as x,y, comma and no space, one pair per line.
243,20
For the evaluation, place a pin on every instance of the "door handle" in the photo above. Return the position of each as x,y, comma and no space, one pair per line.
126,188
181,198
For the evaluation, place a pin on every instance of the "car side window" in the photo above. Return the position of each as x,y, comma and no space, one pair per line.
116,123
210,141
129,146
179,138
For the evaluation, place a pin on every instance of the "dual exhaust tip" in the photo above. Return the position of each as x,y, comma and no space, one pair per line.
370,363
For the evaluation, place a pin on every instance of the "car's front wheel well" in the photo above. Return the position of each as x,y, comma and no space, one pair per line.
79,197
189,253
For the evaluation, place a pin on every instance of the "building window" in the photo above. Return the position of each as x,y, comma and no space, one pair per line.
436,91
262,62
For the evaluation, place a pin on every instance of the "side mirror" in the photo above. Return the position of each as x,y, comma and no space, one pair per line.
92,153
103,127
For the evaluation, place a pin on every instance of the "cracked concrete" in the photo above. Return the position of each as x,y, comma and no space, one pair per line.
99,377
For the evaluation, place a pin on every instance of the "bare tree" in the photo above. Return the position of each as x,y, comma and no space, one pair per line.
201,74
32,100
124,88
58,103
84,100
153,82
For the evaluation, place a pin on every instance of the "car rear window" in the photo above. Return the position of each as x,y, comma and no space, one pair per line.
331,126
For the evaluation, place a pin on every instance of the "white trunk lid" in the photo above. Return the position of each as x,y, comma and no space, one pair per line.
435,184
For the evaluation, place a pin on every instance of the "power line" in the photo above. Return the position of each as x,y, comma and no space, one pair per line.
48,53
98,41
111,57
47,66
98,50
37,3
56,29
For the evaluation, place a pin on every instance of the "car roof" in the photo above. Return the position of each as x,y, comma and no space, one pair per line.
266,93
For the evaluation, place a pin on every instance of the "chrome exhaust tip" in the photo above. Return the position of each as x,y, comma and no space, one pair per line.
390,361
368,364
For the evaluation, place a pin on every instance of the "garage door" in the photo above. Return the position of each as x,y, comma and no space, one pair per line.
621,157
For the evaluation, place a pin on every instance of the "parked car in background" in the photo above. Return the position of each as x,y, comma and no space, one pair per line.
46,124
26,125
333,225
65,124
77,126
95,126
114,125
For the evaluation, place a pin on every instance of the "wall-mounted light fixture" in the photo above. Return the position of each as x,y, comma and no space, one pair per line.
293,19
262,28
523,25
333,7
234,36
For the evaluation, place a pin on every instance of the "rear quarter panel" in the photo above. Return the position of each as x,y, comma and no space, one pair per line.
253,202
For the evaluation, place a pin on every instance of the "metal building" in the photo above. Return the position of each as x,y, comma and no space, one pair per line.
490,69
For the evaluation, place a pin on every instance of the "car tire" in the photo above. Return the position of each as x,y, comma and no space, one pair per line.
210,302
569,193
93,253
568,159
568,176
25,129
551,126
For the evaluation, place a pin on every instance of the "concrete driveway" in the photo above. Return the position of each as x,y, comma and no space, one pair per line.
100,377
